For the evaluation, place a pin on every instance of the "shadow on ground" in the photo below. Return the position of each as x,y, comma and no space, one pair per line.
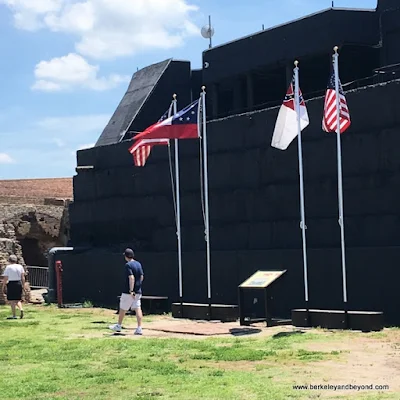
286,334
244,331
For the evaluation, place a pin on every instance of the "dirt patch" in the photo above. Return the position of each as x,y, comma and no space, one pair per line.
165,326
362,361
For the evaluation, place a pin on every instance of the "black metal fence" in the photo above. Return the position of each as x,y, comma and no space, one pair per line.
38,277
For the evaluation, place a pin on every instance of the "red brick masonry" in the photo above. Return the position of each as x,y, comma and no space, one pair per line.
60,188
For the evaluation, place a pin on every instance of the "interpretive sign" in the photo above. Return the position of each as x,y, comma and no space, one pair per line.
261,279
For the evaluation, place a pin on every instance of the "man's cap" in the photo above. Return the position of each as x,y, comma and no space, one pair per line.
128,253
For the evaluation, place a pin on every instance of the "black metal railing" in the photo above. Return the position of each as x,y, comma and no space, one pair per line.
38,277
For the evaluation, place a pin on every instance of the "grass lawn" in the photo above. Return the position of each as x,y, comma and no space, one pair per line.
70,354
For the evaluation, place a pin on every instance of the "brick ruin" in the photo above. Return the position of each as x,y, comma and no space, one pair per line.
33,219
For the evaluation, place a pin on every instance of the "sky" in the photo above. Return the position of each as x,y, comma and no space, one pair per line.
66,64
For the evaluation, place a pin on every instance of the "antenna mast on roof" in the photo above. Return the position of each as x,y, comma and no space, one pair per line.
207,31
333,4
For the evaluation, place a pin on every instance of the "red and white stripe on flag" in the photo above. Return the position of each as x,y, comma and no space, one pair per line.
142,148
329,120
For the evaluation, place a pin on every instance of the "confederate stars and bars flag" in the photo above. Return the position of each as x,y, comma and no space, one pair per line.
286,126
329,120
182,125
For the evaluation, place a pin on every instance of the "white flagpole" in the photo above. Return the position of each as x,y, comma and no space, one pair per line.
340,177
207,222
302,212
178,206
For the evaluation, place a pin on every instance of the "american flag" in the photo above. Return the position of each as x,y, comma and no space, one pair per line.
329,120
142,148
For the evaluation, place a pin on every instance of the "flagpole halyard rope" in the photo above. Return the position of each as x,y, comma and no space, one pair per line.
201,171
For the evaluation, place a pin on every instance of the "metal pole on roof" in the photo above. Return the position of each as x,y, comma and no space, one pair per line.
209,24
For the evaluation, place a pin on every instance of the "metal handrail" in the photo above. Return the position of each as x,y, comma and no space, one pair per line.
38,276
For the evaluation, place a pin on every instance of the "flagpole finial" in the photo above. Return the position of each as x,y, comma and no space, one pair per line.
335,49
296,63
203,88
174,96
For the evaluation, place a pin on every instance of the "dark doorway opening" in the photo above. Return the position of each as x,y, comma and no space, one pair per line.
32,253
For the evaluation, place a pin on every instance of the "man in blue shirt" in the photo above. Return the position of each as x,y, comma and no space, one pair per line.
131,292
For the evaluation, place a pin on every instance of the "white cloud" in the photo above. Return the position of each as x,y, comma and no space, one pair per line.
121,28
104,29
6,159
46,86
72,72
28,13
110,28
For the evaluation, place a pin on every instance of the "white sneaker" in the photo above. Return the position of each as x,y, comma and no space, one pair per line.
138,331
115,328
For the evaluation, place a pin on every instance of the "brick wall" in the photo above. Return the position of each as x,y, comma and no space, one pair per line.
59,188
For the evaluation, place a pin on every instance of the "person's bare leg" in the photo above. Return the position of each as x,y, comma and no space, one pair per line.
12,304
19,305
139,317
121,316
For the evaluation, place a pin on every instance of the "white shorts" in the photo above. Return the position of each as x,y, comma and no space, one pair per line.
128,302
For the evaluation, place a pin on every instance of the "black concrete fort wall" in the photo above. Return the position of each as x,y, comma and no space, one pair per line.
254,210
372,278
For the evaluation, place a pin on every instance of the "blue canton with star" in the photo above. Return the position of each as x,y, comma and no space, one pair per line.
331,83
188,115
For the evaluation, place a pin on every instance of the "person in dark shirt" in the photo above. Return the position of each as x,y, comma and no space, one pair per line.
131,292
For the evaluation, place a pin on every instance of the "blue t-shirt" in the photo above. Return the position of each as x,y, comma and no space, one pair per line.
133,268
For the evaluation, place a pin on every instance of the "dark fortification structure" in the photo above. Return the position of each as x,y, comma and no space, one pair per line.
254,189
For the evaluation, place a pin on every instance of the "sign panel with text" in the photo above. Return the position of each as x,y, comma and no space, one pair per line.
261,279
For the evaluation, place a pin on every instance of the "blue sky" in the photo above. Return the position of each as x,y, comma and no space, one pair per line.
65,64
